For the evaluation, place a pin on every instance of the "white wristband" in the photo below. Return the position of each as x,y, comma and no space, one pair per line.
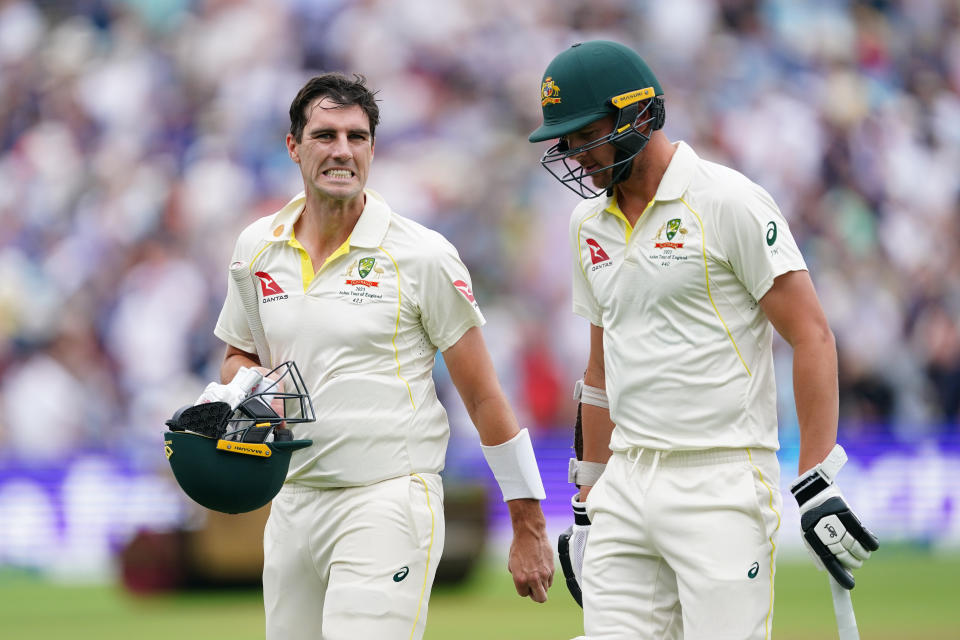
515,467
586,394
581,472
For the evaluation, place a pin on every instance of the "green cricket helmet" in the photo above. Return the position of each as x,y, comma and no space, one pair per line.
587,82
235,459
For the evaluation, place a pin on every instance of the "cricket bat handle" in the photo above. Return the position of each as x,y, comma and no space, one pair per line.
843,610
240,273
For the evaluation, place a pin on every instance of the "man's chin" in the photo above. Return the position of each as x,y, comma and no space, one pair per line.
601,180
346,192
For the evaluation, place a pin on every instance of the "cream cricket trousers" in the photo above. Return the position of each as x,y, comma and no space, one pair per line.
682,545
352,563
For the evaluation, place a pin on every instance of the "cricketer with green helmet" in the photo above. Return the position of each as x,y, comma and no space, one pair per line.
683,271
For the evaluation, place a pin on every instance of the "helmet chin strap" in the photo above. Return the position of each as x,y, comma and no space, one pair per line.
632,142
622,172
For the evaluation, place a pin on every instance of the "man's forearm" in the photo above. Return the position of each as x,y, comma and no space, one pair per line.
817,398
597,428
526,516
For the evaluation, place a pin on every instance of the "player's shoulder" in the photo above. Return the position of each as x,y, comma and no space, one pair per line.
257,230
716,187
587,210
415,240
253,236
269,227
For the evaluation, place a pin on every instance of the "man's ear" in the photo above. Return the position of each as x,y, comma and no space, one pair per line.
292,148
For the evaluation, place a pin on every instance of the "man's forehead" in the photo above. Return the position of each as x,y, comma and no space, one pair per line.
605,121
324,109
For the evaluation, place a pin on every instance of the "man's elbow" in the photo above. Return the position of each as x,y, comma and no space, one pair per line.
818,337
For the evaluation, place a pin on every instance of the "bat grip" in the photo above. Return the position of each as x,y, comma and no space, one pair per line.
240,272
843,610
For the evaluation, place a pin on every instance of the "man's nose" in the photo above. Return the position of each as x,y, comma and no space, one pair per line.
341,148
581,156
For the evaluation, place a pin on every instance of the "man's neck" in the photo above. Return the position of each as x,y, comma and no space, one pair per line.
636,192
325,224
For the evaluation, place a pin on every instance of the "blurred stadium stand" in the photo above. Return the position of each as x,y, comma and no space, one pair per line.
137,138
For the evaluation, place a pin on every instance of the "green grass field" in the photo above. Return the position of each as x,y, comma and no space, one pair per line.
901,594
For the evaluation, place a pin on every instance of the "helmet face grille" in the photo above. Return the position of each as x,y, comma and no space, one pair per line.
625,137
282,398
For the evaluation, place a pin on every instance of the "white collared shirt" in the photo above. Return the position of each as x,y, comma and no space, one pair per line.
364,331
687,348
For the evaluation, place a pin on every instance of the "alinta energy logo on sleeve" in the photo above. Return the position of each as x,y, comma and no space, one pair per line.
271,290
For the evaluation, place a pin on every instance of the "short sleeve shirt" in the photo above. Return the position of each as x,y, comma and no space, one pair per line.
364,331
687,348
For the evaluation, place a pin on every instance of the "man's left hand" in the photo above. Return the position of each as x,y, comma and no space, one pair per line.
531,555
833,535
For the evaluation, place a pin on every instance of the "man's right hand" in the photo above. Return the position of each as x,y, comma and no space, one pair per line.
571,547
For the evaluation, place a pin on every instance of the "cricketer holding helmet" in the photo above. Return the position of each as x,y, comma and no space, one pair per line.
681,266
362,299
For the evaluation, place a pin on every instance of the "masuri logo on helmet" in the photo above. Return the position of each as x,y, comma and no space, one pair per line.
235,459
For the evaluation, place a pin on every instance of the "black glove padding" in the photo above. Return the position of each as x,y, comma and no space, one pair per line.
571,546
832,533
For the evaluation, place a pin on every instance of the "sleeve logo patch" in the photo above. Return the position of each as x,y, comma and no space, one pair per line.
465,289
771,233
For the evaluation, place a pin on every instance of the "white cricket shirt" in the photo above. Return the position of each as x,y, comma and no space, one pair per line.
687,348
364,331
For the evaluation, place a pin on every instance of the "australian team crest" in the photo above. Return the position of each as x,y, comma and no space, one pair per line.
549,92
365,266
363,280
671,228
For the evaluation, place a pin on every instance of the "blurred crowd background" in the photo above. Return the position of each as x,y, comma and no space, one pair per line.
138,137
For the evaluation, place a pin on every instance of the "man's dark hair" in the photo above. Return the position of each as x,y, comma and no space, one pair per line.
340,90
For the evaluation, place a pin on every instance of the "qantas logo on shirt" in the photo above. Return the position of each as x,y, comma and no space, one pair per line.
597,254
465,289
268,285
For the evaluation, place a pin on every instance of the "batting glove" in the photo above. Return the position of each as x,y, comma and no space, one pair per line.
244,383
571,546
831,532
